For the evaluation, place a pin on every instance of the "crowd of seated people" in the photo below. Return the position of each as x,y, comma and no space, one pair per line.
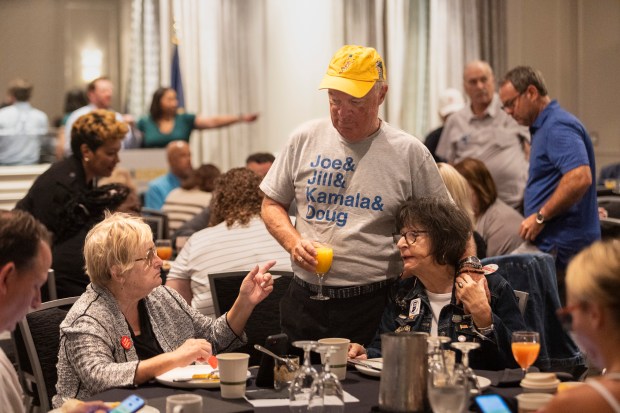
104,253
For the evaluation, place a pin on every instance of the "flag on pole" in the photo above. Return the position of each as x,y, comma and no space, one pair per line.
176,82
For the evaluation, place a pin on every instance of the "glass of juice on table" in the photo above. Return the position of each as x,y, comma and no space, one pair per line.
164,248
525,348
324,257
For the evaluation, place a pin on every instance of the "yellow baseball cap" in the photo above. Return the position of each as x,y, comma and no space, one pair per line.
354,70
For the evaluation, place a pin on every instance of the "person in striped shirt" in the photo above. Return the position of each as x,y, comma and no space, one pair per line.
235,240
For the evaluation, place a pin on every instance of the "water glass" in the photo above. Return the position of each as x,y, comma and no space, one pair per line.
327,395
448,390
301,386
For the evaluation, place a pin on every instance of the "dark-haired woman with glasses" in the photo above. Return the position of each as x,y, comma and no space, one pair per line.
127,328
431,297
593,314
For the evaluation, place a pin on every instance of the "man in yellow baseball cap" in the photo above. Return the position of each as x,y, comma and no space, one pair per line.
348,176
354,70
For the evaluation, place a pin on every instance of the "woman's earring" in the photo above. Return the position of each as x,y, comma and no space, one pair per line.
86,159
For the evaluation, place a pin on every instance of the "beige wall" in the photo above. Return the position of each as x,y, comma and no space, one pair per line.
41,40
576,44
31,46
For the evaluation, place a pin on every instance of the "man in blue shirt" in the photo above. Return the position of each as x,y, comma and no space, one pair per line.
560,209
21,127
180,162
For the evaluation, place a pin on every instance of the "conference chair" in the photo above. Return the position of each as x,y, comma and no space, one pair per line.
265,319
36,340
157,220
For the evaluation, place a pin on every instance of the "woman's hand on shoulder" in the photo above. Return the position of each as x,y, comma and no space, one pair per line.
357,351
257,285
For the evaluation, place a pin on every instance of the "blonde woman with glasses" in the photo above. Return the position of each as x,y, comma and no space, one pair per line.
127,328
593,314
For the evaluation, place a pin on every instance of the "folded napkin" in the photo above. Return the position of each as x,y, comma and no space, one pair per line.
266,394
504,378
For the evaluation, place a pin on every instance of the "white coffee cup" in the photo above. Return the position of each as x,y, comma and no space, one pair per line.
184,403
337,359
531,402
233,369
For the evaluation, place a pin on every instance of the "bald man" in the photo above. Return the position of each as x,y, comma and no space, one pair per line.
180,167
482,130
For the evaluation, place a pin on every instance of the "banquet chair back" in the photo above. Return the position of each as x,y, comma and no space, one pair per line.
265,319
36,341
51,285
522,297
157,220
535,274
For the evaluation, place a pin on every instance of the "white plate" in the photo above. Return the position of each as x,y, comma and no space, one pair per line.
189,371
378,363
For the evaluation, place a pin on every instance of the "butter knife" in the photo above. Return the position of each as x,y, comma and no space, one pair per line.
363,364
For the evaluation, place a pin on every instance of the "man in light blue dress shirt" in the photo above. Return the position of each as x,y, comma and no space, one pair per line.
21,127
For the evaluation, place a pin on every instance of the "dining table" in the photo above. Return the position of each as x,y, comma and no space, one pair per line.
361,386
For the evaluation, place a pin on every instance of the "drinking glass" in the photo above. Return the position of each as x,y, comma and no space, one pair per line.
301,386
324,257
465,348
525,348
327,394
448,390
164,248
437,356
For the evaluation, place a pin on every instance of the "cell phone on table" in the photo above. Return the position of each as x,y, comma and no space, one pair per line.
278,344
131,404
492,403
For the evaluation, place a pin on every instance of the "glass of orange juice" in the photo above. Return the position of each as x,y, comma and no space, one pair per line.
525,348
164,248
324,257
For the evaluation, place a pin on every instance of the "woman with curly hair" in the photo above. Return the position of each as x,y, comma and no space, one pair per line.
235,240
65,198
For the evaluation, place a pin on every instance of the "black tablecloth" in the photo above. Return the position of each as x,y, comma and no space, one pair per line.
364,388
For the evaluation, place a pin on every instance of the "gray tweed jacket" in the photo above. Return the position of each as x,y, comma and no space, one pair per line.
91,358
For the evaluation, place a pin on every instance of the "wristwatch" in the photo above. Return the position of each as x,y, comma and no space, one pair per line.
540,218
471,261
485,331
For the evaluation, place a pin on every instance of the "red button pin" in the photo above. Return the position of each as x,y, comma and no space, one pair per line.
126,342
